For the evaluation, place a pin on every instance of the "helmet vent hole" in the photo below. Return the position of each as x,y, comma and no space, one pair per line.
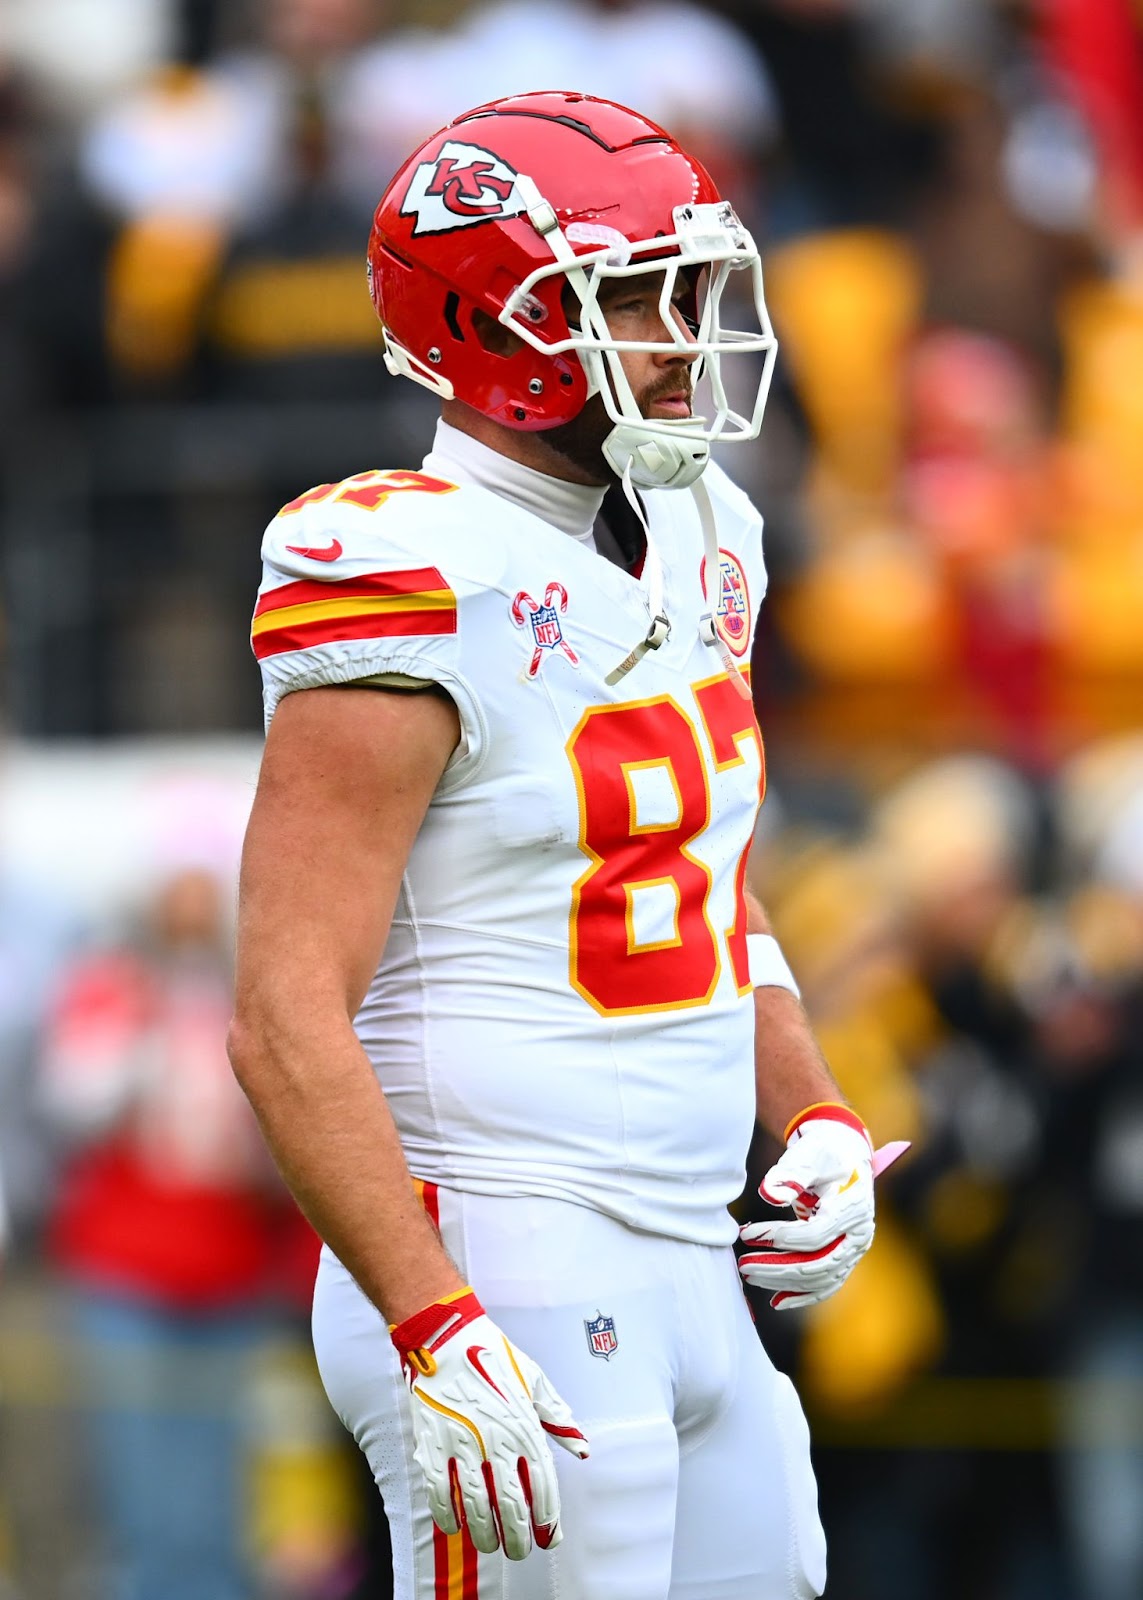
451,307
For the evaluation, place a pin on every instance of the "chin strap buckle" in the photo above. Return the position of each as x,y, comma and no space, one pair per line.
657,634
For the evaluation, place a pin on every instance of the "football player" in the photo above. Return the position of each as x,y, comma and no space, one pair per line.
504,1011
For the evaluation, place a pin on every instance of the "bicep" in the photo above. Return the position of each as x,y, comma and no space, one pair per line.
346,779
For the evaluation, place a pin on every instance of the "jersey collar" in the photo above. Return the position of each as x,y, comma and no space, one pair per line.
571,507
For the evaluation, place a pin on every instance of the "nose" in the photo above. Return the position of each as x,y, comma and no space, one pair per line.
685,352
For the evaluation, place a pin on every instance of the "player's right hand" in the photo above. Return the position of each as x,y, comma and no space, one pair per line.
481,1410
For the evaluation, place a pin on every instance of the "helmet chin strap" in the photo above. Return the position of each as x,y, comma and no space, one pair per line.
656,460
660,629
708,632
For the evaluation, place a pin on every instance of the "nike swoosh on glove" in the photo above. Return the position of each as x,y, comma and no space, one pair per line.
826,1176
481,1410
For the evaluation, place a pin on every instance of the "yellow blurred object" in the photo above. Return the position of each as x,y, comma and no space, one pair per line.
160,270
307,1514
864,1344
905,1009
1096,503
844,304
872,1073
286,308
1101,326
1096,599
830,903
305,1510
873,609
1101,330
963,1211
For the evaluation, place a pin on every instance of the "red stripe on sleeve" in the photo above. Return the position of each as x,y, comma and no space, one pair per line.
415,581
373,625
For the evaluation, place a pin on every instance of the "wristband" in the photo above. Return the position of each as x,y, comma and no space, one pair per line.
768,967
828,1111
418,1336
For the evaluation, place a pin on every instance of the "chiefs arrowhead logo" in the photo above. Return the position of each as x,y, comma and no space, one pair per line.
463,185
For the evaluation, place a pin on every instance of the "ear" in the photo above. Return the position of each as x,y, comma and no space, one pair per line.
494,336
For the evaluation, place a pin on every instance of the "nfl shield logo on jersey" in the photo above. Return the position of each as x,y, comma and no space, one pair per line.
601,1340
544,620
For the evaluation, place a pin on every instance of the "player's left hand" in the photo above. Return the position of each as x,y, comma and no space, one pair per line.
826,1176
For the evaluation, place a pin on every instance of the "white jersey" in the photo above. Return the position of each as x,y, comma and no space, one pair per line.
563,1007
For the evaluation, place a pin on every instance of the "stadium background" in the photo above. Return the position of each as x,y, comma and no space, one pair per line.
949,198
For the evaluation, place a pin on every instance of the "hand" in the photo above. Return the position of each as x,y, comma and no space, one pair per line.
481,1409
826,1176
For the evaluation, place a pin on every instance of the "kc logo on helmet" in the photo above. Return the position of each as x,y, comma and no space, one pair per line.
463,185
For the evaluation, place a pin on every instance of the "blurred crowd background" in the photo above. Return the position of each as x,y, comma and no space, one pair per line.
949,199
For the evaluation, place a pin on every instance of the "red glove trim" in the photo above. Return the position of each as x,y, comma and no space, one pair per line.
431,1326
760,1255
829,1111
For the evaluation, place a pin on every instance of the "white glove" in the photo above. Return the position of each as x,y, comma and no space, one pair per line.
826,1176
480,1412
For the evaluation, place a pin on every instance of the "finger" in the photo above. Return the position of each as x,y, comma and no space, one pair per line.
806,1173
800,1276
556,1418
545,1520
766,1269
795,1280
815,1233
443,1496
787,1300
481,1520
510,1511
778,1189
772,1256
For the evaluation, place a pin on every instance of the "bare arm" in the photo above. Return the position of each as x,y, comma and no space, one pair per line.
346,779
790,1071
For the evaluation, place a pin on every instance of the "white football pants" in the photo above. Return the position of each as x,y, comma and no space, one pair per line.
699,1485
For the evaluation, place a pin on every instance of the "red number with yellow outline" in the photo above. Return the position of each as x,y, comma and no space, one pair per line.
613,972
729,720
369,490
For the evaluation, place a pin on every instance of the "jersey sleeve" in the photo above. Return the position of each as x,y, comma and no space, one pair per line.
353,595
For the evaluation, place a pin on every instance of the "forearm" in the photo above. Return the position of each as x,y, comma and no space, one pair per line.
790,1071
346,781
331,1133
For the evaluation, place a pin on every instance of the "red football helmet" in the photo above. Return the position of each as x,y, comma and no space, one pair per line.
522,198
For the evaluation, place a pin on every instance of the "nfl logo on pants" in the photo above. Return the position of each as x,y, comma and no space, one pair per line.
601,1340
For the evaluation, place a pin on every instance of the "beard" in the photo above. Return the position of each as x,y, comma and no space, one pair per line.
581,440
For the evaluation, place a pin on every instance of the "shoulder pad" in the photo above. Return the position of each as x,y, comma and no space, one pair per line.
352,517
